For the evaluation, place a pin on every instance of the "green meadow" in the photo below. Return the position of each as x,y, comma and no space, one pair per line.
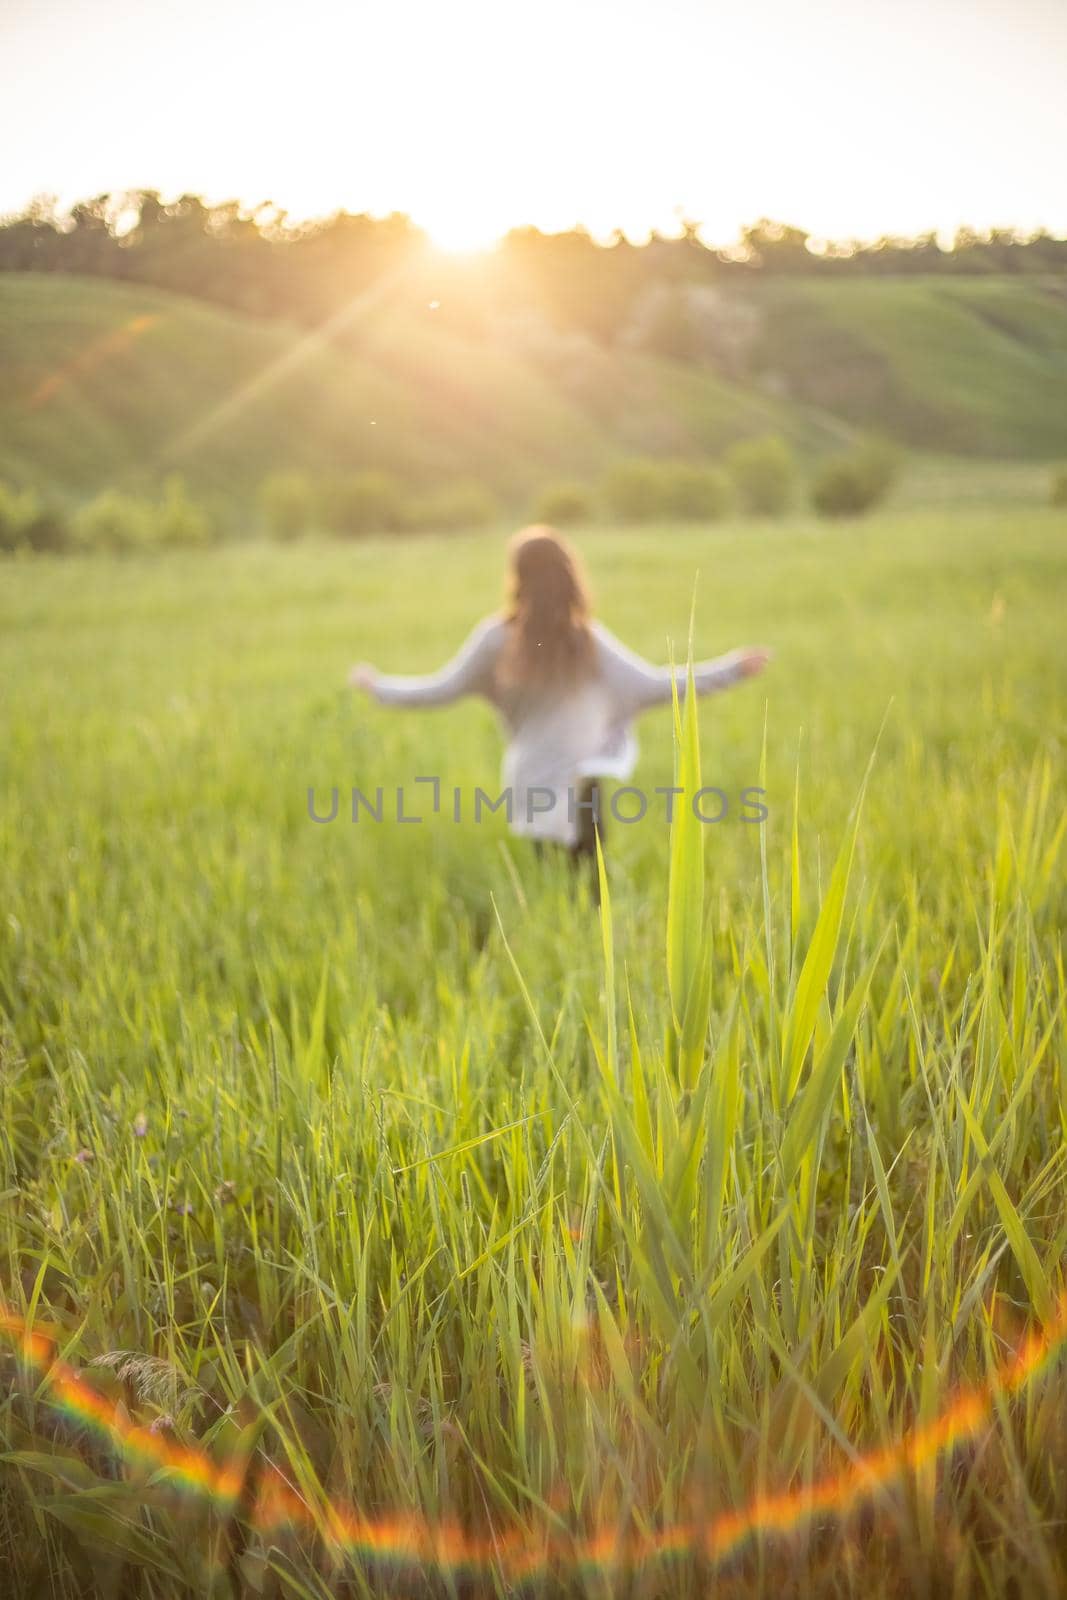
374,1158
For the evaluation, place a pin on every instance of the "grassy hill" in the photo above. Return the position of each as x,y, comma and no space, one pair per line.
974,366
109,383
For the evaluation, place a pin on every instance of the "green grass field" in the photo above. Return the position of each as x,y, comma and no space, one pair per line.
384,1158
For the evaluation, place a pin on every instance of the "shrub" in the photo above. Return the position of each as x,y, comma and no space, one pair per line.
179,520
763,472
358,503
46,528
695,493
287,501
11,516
1058,491
26,520
633,491
454,507
639,491
851,484
114,521
564,505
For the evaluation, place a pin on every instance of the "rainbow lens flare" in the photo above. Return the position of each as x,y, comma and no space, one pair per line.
269,1503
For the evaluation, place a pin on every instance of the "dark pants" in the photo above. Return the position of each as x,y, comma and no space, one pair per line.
590,822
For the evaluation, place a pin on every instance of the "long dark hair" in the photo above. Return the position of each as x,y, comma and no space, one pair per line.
549,641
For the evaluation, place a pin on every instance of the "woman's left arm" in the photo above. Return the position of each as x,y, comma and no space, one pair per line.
640,684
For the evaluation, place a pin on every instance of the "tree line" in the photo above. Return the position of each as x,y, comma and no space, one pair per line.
258,261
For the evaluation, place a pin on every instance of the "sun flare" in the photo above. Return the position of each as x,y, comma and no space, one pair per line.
460,229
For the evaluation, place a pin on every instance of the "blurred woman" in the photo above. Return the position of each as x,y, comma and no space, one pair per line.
566,689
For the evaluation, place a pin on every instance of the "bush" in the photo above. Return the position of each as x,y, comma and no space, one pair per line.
466,504
25,520
118,522
12,516
46,528
179,520
763,472
640,491
115,522
287,501
633,491
564,505
851,484
695,494
1058,491
358,503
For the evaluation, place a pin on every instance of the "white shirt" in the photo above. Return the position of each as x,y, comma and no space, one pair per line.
557,738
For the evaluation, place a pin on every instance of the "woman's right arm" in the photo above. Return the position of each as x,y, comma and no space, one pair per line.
469,672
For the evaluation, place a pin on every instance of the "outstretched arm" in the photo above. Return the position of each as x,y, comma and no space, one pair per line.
638,684
468,672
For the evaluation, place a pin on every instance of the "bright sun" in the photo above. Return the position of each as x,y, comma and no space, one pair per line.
459,230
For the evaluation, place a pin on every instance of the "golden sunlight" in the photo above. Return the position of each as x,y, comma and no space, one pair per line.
462,228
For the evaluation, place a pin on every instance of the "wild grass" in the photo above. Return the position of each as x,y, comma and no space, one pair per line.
375,1150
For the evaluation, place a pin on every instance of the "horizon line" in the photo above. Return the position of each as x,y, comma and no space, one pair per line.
686,225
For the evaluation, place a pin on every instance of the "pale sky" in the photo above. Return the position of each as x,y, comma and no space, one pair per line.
848,117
